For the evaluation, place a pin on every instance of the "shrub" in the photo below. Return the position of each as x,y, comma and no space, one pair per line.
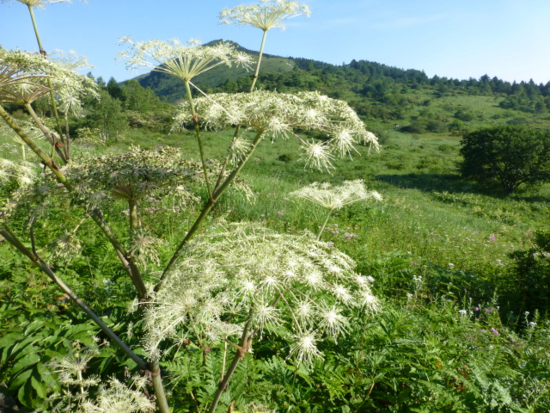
507,156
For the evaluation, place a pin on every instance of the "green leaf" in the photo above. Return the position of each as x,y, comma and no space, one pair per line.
20,380
39,386
25,362
9,339
26,393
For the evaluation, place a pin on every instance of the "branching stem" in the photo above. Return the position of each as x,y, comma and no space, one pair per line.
199,139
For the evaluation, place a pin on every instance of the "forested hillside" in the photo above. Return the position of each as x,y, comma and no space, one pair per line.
388,98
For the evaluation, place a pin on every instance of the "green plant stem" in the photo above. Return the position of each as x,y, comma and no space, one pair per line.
257,72
198,134
42,128
48,161
67,134
162,403
66,158
12,239
208,207
246,340
129,265
238,127
324,225
134,220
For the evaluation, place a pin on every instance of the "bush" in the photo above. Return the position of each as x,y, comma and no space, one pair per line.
507,156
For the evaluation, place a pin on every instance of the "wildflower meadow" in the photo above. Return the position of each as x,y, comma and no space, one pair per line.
259,251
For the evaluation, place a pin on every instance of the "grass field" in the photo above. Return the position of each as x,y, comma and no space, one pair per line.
438,248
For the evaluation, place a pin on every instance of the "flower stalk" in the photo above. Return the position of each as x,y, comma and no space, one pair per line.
53,104
257,71
198,134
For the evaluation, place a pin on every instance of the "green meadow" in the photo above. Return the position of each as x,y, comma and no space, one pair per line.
460,328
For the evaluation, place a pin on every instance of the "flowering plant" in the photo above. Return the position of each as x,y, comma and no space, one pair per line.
235,280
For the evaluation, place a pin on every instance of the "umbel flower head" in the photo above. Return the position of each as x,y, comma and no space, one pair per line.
23,75
183,61
40,3
248,273
266,15
336,197
277,114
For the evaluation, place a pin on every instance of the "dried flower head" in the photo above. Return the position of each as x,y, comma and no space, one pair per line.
266,15
336,197
183,61
250,273
277,114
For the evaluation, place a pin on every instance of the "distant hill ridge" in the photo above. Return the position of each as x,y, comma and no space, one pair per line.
375,90
173,88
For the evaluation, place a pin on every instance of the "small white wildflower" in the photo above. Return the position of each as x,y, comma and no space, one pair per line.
304,348
332,321
369,302
318,155
343,294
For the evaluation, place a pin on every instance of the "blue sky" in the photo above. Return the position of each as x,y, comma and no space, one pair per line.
460,39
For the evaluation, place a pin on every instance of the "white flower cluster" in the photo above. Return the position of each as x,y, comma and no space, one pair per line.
277,114
40,3
175,58
23,173
112,396
248,273
23,78
266,15
336,197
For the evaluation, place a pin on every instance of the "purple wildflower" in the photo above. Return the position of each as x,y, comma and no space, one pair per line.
492,238
494,331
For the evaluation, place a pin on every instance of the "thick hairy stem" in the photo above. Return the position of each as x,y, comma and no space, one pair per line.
257,72
52,96
199,139
324,225
12,239
133,270
162,403
129,265
246,341
238,127
67,135
48,161
45,132
208,207
133,214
